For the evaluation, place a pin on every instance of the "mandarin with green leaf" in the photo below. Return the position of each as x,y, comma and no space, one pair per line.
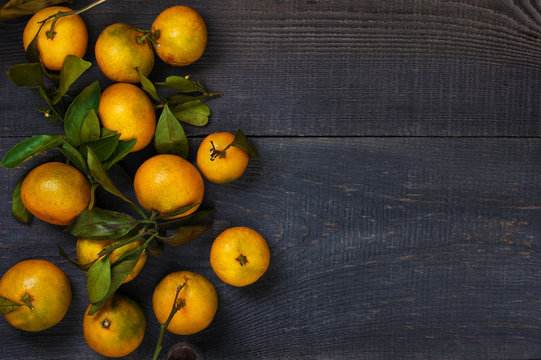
219,161
41,289
68,37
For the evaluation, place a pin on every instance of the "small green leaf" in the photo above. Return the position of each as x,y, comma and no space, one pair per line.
101,176
192,219
179,83
242,142
170,137
119,271
32,52
72,68
7,305
74,156
29,148
78,110
149,87
99,279
106,132
18,210
80,266
99,224
122,149
17,8
28,74
178,211
185,235
90,129
195,113
102,147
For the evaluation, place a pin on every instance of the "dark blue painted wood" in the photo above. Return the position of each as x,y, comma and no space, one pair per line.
398,186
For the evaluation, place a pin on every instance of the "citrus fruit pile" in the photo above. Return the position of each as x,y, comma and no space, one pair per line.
101,128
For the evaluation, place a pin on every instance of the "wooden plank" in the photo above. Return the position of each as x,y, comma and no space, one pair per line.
339,68
381,248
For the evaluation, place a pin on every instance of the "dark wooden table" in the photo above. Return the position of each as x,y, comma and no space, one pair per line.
399,183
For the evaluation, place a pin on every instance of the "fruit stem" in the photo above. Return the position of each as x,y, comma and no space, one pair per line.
27,300
218,153
177,305
50,34
242,260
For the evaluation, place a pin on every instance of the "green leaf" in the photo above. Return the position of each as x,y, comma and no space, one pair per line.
74,156
106,132
195,113
192,219
29,148
178,211
122,149
103,147
119,271
18,210
149,87
32,52
80,266
72,68
17,8
78,110
28,74
99,279
179,83
101,176
7,305
242,142
170,137
185,235
99,224
90,129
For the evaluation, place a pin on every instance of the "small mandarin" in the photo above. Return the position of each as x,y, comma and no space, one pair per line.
122,52
117,328
197,300
239,256
180,34
219,162
126,109
42,288
167,182
55,192
70,36
87,251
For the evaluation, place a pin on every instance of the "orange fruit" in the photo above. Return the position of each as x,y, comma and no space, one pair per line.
117,328
239,256
42,288
180,34
121,50
70,36
55,192
87,251
197,300
167,182
125,108
221,166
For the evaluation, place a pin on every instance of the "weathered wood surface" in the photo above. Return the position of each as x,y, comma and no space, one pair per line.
343,68
398,187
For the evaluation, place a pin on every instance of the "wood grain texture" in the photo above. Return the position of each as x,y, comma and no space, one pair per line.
381,248
341,68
